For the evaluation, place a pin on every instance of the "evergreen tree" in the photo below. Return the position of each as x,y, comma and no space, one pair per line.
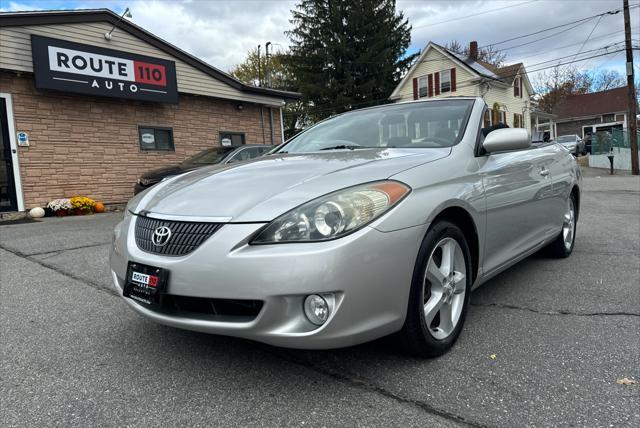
347,54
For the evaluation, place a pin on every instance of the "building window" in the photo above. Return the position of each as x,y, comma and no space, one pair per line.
487,119
154,138
516,87
518,120
423,87
503,117
445,81
228,139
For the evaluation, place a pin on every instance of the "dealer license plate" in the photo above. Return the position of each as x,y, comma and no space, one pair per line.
145,284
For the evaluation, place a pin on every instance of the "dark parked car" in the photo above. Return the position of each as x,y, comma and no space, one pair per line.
212,156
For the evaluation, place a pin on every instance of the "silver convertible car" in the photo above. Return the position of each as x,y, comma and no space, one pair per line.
373,222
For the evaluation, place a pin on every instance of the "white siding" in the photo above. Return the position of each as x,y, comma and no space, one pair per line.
434,62
15,54
467,84
510,104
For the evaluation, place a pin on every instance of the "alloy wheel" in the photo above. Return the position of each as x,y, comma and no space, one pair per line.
569,225
444,288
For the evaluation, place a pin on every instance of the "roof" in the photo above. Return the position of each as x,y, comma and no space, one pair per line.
483,68
593,104
49,17
504,75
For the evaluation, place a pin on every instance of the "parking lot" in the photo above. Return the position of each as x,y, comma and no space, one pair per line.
544,344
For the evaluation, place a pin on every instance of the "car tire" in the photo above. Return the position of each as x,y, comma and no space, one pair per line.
439,295
562,246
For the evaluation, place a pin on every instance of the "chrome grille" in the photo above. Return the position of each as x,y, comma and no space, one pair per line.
185,236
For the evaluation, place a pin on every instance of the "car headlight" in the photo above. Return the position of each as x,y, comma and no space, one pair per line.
334,215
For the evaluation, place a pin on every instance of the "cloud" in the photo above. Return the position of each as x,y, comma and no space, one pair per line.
221,32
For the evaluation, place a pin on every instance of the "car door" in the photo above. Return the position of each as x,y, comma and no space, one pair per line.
563,169
518,188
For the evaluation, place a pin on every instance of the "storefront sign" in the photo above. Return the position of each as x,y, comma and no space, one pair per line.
85,69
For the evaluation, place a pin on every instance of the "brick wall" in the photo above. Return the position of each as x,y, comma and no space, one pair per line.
89,146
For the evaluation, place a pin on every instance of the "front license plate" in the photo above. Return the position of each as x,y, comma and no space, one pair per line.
145,284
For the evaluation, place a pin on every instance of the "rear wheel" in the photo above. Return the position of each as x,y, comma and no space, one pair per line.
439,292
563,245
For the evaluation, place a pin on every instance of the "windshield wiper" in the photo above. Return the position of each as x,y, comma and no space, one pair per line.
343,147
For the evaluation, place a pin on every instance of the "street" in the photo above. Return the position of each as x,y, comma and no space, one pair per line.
543,345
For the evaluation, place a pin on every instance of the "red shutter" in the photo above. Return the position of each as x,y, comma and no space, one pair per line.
453,79
430,78
437,83
415,88
520,80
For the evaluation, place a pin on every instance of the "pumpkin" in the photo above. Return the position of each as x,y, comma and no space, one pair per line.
36,212
99,207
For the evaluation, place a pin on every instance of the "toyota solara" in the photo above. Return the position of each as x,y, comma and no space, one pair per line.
373,222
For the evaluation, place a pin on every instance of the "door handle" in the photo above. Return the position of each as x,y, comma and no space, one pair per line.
544,172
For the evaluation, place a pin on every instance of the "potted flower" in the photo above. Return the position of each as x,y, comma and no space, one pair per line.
59,207
82,205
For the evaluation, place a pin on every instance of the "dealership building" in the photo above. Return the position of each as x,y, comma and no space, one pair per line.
89,101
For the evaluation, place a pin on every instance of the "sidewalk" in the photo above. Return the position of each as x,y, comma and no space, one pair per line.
599,179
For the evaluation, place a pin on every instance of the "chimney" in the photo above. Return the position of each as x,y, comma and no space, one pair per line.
473,50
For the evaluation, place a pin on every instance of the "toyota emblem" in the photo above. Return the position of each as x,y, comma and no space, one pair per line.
161,236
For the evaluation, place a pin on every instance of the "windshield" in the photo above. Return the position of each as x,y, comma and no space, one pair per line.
414,125
567,139
208,157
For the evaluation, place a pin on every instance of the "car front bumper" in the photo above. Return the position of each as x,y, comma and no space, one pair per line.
365,277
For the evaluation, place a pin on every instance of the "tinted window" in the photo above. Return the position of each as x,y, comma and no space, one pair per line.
232,138
156,138
208,157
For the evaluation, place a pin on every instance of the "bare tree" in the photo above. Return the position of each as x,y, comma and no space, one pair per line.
487,54
555,84
607,79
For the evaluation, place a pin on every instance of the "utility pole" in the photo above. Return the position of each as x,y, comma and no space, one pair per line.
632,128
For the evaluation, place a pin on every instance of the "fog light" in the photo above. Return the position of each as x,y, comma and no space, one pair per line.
316,309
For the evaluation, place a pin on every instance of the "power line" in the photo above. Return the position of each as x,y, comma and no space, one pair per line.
473,15
538,53
470,82
589,36
609,12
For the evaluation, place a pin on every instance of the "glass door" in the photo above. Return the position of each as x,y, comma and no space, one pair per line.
8,201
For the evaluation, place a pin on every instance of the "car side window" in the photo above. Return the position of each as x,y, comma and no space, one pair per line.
254,152
239,156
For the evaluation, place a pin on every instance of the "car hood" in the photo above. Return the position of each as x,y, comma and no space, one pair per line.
262,189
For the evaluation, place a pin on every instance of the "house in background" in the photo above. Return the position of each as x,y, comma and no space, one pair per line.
587,114
439,72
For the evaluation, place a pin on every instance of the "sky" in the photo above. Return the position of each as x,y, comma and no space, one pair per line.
221,32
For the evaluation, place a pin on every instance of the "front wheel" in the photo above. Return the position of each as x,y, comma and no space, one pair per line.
440,292
562,246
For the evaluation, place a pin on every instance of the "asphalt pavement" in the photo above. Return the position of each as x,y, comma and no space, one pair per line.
543,345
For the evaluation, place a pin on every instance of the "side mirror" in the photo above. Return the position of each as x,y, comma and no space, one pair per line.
507,139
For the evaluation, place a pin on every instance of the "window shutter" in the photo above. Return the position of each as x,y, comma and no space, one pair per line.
515,120
430,78
437,83
515,87
415,88
520,80
453,79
